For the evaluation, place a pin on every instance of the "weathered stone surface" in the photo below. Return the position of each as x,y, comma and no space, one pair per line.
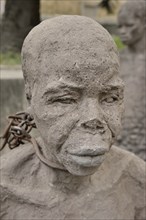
133,70
71,68
32,190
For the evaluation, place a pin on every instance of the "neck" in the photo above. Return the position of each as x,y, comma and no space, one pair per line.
62,179
58,176
139,47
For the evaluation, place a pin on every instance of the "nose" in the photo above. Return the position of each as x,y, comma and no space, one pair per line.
92,117
94,125
122,30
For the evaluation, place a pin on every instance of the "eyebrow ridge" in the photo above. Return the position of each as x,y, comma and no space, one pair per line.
54,88
112,87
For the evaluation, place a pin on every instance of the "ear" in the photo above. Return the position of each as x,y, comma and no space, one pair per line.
144,22
28,93
29,110
28,97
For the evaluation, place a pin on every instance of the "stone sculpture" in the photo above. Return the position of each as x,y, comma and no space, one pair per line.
71,72
132,29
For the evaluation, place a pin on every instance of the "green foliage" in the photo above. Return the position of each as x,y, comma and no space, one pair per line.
10,58
118,42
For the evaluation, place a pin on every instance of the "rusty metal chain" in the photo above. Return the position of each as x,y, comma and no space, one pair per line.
18,129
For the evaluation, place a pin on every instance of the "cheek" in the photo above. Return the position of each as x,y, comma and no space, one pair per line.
49,114
136,32
113,118
133,32
55,126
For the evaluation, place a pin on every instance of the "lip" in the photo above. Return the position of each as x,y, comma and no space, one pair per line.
91,159
124,37
88,152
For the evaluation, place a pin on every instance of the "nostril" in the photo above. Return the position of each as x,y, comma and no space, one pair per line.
101,130
94,125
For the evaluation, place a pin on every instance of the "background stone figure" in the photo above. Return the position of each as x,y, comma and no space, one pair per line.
132,29
72,171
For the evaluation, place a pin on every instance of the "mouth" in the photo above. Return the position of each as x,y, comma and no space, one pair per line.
124,37
89,158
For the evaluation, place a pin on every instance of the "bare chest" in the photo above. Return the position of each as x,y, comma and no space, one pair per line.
111,204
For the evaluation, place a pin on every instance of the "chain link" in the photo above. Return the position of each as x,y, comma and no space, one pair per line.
18,129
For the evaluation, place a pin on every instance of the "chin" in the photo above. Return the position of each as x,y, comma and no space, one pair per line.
82,171
126,42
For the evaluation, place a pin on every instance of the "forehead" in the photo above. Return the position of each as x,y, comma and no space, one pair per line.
79,66
129,11
90,78
91,89
82,74
126,15
71,47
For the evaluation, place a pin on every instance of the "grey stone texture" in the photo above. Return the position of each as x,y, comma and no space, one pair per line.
132,29
32,190
72,171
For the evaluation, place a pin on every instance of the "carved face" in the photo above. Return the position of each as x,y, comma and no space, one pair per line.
131,28
78,114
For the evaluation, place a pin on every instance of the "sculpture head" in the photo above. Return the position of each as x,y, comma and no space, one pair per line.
71,67
132,21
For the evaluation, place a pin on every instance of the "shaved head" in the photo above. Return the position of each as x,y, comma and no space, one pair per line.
67,44
137,8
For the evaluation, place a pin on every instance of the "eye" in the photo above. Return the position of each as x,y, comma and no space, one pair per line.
109,100
129,25
119,26
64,100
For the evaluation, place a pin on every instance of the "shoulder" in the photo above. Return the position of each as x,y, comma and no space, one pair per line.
14,158
123,167
16,165
133,175
21,174
135,166
19,170
129,163
124,174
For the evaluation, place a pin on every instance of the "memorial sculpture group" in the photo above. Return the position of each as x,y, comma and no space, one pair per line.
73,170
132,29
